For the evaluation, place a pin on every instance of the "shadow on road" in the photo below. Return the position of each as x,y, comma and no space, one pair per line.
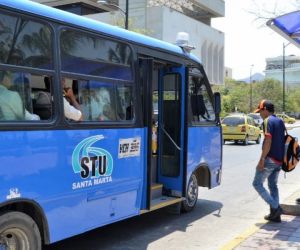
239,144
138,232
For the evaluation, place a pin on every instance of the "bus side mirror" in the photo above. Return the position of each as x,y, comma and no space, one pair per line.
217,99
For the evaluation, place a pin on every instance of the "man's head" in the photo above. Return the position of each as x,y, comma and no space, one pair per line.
6,78
265,108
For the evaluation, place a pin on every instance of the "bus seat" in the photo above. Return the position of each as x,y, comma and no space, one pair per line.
43,105
198,106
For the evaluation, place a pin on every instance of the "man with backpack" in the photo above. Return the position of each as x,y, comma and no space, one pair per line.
270,160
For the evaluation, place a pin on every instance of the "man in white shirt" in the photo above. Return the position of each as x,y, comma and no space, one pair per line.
71,106
11,103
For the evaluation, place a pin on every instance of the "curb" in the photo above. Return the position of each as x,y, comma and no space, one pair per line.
243,236
290,206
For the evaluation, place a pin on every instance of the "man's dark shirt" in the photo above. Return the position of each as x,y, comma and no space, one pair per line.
275,128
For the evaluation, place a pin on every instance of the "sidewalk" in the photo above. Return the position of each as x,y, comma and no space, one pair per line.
273,236
270,235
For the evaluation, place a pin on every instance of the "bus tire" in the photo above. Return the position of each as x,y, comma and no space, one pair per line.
191,195
19,231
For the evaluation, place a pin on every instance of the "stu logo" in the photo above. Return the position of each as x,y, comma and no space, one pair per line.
98,166
90,161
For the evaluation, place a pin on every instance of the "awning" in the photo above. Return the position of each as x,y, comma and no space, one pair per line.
288,26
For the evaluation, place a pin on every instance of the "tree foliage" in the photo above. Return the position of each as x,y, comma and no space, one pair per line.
236,96
132,25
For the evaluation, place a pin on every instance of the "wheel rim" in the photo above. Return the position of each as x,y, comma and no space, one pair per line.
14,239
192,192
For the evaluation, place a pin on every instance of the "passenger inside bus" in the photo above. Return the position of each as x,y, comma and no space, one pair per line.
12,107
71,106
105,104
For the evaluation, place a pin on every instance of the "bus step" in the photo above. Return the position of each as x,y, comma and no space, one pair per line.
156,190
162,201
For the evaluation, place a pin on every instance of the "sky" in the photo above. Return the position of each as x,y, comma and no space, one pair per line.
246,43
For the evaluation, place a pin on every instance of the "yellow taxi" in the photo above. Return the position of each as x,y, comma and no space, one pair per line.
240,128
286,118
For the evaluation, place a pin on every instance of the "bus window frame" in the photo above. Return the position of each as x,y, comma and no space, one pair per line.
103,124
33,124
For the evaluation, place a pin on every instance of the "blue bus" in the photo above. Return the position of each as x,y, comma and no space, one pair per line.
149,135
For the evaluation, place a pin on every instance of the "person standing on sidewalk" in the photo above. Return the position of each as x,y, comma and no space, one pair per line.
270,161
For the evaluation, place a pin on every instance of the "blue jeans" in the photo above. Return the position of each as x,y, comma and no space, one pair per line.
271,171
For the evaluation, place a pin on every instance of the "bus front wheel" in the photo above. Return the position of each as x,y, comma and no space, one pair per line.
19,231
191,195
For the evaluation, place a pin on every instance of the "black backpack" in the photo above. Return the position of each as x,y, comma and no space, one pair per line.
291,153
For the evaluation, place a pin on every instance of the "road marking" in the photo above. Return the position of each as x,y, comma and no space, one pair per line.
243,236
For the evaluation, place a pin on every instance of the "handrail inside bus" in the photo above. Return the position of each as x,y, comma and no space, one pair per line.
167,134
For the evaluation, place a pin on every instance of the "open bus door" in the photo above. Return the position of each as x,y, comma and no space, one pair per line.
171,130
161,90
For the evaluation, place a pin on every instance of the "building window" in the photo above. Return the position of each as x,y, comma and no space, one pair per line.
80,9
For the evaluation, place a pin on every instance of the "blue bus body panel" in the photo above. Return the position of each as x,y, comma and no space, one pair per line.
62,16
205,149
94,179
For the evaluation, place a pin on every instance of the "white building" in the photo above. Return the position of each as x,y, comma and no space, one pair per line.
163,19
274,69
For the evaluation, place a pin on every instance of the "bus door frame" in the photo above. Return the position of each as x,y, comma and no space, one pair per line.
145,87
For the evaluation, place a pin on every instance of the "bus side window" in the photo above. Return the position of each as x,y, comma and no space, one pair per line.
97,101
102,101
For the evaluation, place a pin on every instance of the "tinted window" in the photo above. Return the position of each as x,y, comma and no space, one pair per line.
25,43
233,121
96,56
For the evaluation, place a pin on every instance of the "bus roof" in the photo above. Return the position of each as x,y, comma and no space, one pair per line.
70,18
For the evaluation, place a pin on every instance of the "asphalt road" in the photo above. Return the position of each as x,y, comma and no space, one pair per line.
220,215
